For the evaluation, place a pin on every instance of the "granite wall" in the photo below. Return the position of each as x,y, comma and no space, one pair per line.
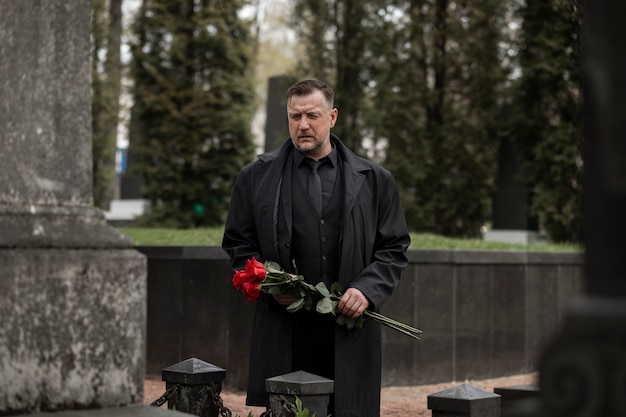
484,314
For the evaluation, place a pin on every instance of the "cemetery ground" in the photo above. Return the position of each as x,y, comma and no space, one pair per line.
395,401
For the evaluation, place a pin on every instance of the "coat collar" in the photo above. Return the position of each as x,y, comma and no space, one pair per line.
354,171
347,156
354,168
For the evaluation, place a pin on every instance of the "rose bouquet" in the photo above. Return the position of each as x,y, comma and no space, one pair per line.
272,279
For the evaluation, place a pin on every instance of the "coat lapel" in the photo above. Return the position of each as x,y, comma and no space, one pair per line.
276,191
353,175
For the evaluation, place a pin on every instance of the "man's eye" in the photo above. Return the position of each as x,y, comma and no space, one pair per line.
295,117
313,116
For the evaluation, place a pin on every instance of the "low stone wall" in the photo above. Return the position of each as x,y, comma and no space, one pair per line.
484,314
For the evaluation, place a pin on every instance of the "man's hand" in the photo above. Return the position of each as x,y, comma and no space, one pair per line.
284,299
353,303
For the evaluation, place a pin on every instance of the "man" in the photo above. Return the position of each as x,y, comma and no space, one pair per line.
356,235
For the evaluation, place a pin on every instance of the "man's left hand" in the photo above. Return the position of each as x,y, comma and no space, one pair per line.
353,303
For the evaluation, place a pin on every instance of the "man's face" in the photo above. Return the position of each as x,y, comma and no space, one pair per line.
310,120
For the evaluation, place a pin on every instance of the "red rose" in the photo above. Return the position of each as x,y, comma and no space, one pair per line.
248,280
239,277
255,270
251,290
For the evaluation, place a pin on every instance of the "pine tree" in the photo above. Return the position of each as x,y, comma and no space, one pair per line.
423,87
193,106
440,95
547,114
420,83
335,34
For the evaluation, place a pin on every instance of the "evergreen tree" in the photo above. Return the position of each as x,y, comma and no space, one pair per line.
335,33
440,102
423,87
422,80
546,117
193,106
106,84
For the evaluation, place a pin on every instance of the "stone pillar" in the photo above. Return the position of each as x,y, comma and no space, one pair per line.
314,391
583,372
72,290
196,387
464,401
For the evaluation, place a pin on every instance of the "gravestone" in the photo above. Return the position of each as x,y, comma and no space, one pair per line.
276,126
72,289
511,218
583,372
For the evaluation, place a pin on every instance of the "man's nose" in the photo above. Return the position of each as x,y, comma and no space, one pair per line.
304,123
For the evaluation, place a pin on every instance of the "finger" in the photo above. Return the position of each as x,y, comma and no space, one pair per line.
345,303
355,311
355,303
351,307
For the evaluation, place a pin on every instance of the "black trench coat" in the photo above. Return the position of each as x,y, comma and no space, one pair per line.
374,239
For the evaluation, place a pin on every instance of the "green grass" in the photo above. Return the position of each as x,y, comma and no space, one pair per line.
213,237
429,241
175,237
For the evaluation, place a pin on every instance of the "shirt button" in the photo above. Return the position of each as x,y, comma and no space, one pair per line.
324,239
288,245
322,221
324,257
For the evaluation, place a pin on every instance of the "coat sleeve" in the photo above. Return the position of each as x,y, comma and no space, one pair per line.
240,232
383,249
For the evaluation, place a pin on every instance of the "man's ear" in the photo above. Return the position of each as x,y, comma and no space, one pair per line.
333,117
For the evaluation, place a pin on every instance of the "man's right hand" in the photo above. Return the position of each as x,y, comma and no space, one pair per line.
284,299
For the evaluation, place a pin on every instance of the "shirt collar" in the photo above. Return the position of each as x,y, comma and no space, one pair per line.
298,157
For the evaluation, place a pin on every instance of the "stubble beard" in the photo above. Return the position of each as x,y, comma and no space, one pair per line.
311,148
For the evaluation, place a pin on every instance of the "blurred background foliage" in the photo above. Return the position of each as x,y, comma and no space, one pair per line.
431,89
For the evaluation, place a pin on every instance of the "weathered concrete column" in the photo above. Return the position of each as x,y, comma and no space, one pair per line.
72,290
195,387
464,401
314,391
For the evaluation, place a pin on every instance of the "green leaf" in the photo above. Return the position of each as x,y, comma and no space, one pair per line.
336,288
350,323
301,411
321,288
298,403
325,306
345,321
296,305
272,267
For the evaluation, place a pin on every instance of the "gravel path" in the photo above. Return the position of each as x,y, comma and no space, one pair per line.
395,401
